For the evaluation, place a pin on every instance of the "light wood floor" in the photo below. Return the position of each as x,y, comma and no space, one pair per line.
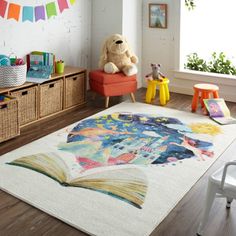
20,219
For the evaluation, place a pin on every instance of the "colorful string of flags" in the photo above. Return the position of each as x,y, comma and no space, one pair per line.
33,13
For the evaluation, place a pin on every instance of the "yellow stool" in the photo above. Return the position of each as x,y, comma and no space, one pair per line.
163,91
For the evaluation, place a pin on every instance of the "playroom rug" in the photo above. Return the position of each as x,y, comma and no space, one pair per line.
119,172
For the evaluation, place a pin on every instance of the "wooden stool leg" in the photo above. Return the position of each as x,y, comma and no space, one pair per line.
167,93
107,102
162,95
154,90
207,95
149,92
195,100
203,96
215,94
132,97
93,95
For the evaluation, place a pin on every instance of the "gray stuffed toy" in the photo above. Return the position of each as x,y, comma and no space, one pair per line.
156,72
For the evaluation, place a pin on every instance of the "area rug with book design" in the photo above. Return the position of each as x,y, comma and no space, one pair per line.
118,172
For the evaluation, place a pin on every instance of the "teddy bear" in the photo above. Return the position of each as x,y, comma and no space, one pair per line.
117,56
156,73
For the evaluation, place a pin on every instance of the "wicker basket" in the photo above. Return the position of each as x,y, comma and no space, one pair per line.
27,99
50,97
74,88
11,76
9,120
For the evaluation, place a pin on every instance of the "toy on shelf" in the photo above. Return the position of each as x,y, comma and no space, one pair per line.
4,60
4,98
157,78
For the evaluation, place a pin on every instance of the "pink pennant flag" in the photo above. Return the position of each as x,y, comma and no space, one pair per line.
62,5
3,7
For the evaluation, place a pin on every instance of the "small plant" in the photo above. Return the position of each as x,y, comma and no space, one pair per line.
196,63
190,4
218,64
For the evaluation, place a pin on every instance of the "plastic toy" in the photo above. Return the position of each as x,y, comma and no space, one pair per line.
4,60
19,61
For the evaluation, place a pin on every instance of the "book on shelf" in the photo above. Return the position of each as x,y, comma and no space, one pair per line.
37,58
127,184
218,111
36,73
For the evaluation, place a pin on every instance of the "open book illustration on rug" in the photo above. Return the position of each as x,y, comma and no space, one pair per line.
97,146
218,111
129,184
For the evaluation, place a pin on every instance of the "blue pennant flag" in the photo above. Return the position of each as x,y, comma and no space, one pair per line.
28,14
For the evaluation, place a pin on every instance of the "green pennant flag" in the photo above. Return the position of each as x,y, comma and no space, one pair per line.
51,9
72,2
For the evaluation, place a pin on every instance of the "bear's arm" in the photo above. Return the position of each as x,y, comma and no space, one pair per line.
134,59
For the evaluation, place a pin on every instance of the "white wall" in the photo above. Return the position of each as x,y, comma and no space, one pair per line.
161,45
66,35
116,16
106,20
132,29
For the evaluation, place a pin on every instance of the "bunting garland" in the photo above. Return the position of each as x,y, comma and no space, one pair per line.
3,7
33,13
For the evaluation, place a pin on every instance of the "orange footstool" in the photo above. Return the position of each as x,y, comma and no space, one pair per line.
203,91
112,84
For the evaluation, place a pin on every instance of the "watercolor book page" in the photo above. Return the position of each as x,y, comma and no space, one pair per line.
218,111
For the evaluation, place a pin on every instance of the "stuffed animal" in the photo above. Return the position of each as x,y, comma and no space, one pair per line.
156,72
117,56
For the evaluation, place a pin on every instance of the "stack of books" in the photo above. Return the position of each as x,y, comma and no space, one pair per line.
40,66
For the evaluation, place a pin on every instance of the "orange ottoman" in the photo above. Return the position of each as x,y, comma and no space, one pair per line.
112,84
203,91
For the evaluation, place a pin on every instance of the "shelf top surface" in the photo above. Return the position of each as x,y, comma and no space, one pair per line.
69,70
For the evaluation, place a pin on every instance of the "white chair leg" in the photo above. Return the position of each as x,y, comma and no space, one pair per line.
229,200
210,196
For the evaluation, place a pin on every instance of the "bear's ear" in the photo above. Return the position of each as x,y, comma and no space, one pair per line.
128,51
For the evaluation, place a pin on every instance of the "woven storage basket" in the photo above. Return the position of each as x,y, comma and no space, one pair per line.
9,120
74,88
11,76
50,97
27,99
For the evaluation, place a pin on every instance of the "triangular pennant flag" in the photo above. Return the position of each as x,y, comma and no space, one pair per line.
28,14
72,2
13,11
39,12
62,5
3,7
51,9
